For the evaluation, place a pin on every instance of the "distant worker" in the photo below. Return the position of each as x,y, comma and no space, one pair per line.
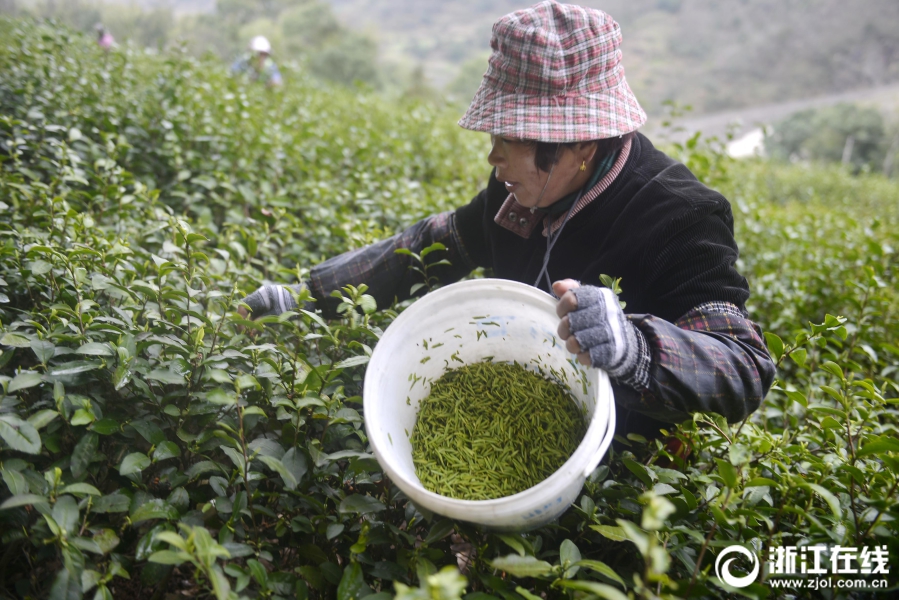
257,63
104,38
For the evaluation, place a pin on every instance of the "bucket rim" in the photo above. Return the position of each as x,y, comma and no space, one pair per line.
599,420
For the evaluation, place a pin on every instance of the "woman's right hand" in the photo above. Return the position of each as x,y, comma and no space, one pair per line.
271,299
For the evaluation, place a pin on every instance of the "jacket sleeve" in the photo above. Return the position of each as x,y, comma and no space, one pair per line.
712,359
389,275
701,351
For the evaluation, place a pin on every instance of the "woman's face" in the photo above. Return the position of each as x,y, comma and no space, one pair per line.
514,162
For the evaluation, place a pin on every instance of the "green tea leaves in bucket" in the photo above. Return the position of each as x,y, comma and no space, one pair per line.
490,430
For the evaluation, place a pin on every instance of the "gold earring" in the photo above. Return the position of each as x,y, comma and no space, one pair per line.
584,165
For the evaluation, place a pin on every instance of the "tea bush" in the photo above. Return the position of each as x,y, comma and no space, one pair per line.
156,444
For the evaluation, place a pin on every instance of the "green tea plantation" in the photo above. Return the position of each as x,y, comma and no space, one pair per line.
153,444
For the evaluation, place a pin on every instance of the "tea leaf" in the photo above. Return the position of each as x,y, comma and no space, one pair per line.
134,463
603,569
521,566
775,345
83,453
483,409
23,500
598,589
23,381
19,435
879,445
43,349
616,534
361,504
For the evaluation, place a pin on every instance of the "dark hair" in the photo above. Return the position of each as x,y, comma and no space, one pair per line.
548,153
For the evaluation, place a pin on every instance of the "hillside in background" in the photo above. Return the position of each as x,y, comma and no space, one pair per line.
712,55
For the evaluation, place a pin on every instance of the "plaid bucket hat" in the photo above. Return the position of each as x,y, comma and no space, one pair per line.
555,75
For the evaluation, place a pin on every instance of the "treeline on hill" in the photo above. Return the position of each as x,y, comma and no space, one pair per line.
704,53
153,443
857,137
709,54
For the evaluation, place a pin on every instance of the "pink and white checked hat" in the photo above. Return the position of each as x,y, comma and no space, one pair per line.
555,75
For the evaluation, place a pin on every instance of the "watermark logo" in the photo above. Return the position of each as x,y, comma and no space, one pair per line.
722,567
824,560
792,566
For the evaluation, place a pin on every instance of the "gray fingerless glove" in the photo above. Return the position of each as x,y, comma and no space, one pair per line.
273,299
613,342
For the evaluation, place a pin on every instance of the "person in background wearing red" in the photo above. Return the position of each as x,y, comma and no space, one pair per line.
104,38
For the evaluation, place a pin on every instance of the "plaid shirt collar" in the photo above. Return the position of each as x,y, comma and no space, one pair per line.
522,222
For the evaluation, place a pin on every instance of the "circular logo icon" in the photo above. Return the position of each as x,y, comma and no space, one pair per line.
722,567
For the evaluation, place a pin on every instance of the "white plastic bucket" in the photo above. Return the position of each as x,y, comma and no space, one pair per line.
468,322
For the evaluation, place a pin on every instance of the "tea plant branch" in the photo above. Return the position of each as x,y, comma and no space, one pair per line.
246,473
847,352
188,278
705,545
880,512
711,423
21,268
86,515
423,266
740,428
218,327
71,270
292,389
664,547
852,460
736,435
163,585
